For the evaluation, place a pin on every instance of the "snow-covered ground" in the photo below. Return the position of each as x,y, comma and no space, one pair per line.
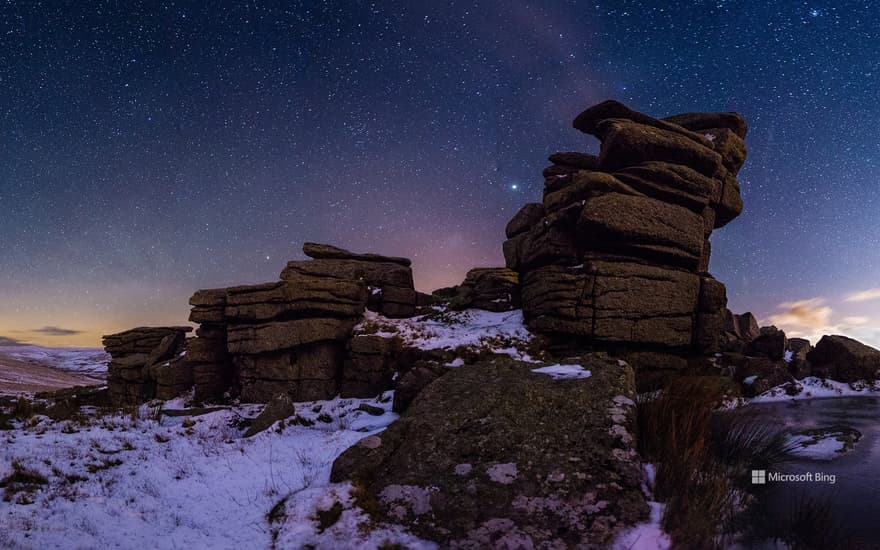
812,387
91,362
474,329
157,481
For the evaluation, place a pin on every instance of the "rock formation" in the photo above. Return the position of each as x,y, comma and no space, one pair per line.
147,363
618,251
844,359
489,288
292,336
494,455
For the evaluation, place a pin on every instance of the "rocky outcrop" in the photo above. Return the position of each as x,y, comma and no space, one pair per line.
494,455
207,355
293,336
147,363
388,279
844,359
798,365
771,343
488,288
618,251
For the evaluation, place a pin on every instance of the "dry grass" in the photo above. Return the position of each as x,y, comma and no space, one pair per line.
703,457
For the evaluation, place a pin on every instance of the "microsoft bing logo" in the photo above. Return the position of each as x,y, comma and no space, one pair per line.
759,477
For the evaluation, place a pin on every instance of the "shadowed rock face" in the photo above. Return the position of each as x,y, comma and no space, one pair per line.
488,288
495,451
844,359
147,363
618,251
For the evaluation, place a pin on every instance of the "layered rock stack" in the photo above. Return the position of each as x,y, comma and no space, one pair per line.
488,288
207,354
618,251
292,336
388,279
147,363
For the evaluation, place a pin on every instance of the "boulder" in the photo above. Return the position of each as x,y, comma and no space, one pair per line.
844,359
759,374
330,252
527,217
371,364
581,161
488,288
279,408
414,381
137,369
495,455
770,343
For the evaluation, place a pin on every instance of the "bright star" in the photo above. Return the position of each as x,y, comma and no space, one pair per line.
513,186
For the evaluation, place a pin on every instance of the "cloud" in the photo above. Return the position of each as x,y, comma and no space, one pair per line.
855,321
4,341
864,295
57,331
812,313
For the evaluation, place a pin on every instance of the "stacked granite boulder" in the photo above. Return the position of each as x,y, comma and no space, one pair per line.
388,279
207,354
618,251
292,336
147,363
488,288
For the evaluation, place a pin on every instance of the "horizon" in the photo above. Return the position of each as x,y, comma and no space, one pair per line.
187,148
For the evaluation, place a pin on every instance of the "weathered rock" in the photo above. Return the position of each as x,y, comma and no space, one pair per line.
613,302
582,161
138,340
626,143
527,217
330,252
389,280
620,253
370,366
770,343
134,352
307,373
307,297
553,468
550,242
414,381
488,288
672,183
759,374
701,122
844,359
279,408
247,339
642,227
798,365
590,121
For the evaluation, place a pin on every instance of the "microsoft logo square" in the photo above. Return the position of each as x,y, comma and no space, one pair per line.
759,477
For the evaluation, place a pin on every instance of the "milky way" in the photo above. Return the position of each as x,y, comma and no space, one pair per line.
152,148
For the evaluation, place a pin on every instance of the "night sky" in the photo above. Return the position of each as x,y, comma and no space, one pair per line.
152,148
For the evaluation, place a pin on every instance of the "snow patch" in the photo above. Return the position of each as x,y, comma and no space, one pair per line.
564,372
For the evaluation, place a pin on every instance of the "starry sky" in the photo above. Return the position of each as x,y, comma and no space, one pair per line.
152,148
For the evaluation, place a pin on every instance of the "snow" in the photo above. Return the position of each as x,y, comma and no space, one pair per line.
824,448
154,481
749,380
648,535
812,388
789,356
476,329
564,372
89,361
